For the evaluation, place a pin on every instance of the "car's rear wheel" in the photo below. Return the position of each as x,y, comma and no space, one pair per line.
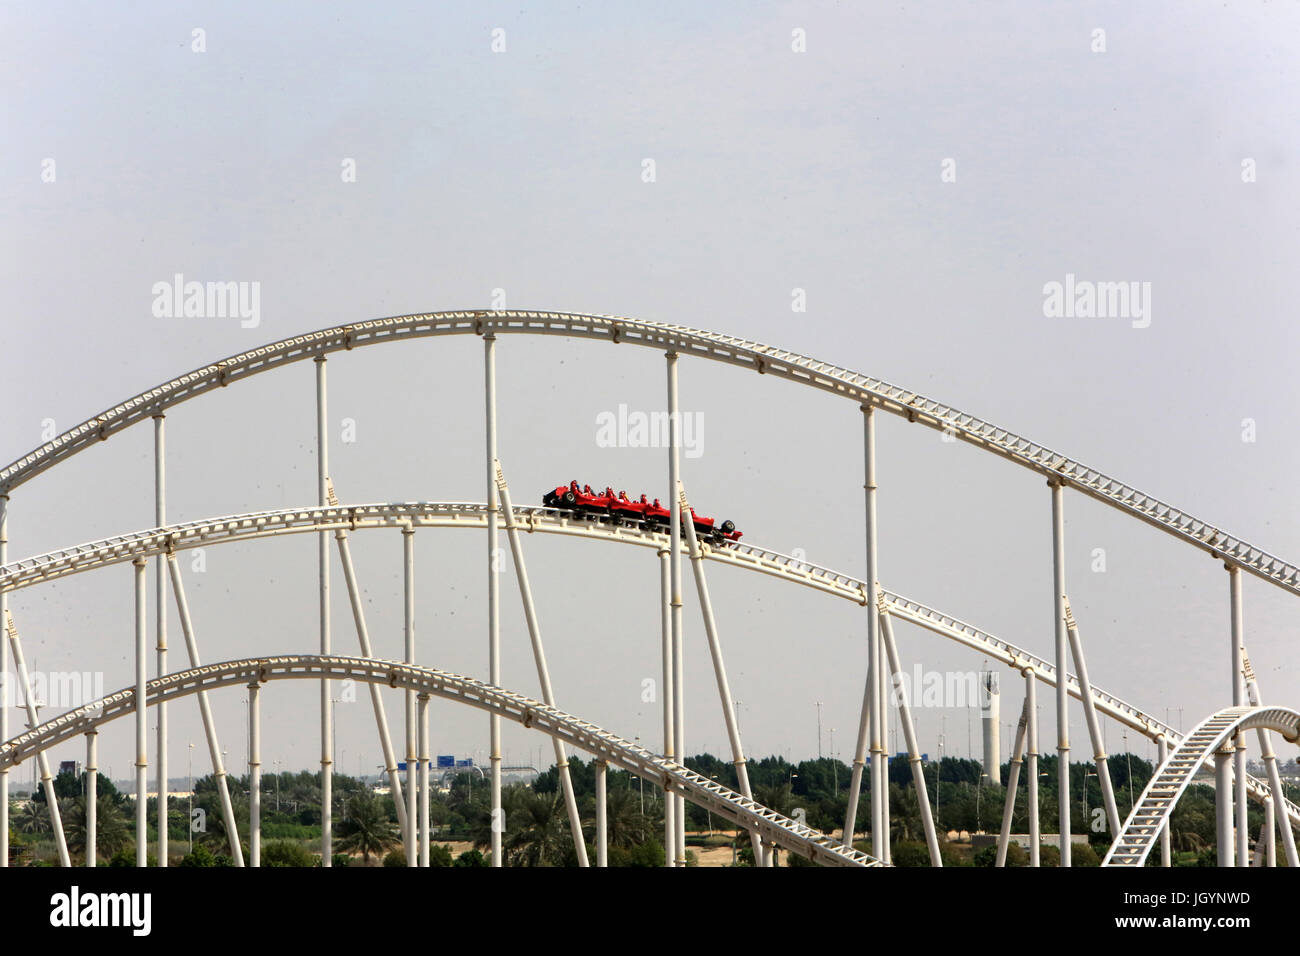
570,498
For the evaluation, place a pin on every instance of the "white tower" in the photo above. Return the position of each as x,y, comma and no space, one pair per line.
989,715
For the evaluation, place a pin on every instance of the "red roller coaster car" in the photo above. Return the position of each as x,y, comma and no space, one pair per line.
620,509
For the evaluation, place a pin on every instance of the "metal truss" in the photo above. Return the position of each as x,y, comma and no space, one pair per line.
122,549
680,340
1154,808
774,827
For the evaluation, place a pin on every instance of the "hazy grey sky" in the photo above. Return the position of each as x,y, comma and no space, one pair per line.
775,170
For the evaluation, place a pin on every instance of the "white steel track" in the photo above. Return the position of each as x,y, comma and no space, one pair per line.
471,515
780,830
764,359
1156,805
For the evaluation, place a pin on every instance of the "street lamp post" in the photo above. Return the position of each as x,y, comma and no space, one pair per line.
189,824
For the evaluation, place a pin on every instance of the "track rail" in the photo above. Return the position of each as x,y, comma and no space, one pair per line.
659,771
152,542
687,341
1154,808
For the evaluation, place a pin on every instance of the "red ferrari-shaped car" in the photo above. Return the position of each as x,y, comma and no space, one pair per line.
620,509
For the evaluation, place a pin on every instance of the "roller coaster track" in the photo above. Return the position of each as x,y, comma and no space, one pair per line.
150,543
728,349
783,831
1156,805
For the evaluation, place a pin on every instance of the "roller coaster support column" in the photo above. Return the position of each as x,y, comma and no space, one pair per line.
1277,797
1031,763
909,734
1268,832
1062,689
254,775
1094,726
1162,754
326,715
92,796
205,711
4,686
494,586
1238,699
408,578
376,700
141,722
539,656
602,845
1223,805
719,667
160,625
1013,785
879,775
675,568
423,702
42,761
666,628
859,753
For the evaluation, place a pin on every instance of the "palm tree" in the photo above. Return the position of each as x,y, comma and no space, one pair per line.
534,834
625,824
365,828
110,825
33,818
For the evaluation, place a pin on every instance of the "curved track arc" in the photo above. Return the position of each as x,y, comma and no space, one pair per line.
687,341
533,714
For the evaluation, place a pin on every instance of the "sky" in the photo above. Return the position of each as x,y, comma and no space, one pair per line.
892,188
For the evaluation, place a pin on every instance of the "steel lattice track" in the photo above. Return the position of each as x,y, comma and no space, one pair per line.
152,542
659,771
687,341
1152,811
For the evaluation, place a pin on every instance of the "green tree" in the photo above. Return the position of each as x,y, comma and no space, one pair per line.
365,828
286,853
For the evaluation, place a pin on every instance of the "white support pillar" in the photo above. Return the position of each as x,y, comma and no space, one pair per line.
675,568
670,752
909,733
860,754
323,549
1094,725
1223,805
92,796
408,576
602,836
1238,700
1269,832
879,774
1013,785
141,721
1062,689
1166,849
254,775
160,626
1031,763
205,712
494,588
715,652
33,720
539,658
1270,766
376,698
4,685
423,702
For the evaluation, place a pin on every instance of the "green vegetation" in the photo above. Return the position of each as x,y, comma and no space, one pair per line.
536,831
